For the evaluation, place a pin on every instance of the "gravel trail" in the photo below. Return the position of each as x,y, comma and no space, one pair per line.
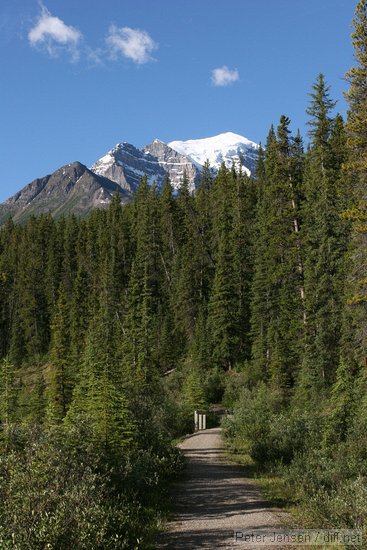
213,499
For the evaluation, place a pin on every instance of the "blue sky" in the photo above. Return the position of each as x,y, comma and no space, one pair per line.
79,76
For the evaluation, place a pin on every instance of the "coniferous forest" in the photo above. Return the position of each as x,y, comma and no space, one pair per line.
251,292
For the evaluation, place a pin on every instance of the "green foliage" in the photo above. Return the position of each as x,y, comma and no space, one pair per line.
270,434
330,489
8,395
325,238
356,167
277,290
57,492
193,391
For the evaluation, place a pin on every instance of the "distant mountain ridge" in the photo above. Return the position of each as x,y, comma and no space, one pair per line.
74,188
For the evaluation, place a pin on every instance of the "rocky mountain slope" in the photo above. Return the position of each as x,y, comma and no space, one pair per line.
174,163
71,188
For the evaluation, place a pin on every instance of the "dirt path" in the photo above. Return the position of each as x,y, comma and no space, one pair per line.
213,499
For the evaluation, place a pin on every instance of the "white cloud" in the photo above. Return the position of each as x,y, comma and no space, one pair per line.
54,35
223,76
134,44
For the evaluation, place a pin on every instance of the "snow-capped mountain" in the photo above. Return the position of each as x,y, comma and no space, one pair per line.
74,188
227,148
125,164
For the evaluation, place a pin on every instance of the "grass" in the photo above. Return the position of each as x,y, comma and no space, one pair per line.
275,491
273,486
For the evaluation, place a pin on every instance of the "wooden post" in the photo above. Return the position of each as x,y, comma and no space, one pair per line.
196,421
204,421
200,421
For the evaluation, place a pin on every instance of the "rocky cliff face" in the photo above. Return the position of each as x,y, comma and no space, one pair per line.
125,165
174,164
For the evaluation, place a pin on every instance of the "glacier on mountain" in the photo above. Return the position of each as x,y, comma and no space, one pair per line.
227,147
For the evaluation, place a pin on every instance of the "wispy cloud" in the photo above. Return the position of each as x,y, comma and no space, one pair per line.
134,44
223,76
94,56
52,34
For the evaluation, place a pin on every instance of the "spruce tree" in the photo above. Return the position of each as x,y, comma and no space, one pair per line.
356,166
324,239
97,400
61,380
193,392
188,282
244,216
277,309
260,292
8,392
223,307
143,294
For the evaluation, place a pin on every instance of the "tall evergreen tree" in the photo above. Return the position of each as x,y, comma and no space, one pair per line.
356,165
97,400
61,379
188,279
260,292
277,302
7,392
223,308
324,243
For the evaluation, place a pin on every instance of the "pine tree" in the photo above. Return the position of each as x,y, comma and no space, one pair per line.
97,400
277,308
61,380
356,166
324,242
223,307
193,392
260,292
7,392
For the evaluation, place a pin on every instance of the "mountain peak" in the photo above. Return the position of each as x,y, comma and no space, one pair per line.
227,147
71,188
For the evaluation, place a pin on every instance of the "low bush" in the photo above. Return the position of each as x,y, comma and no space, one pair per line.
58,492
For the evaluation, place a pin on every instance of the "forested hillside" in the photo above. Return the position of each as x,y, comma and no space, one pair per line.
250,292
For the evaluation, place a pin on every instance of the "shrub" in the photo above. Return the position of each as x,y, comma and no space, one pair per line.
267,432
58,492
